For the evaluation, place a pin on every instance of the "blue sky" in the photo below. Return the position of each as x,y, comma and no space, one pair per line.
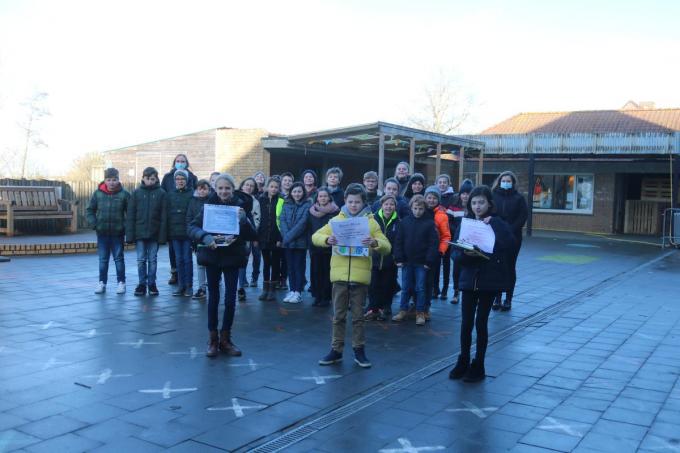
120,73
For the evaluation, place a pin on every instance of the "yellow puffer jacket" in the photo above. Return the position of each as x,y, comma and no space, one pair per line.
355,269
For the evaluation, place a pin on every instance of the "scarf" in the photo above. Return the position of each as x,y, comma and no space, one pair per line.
364,212
319,211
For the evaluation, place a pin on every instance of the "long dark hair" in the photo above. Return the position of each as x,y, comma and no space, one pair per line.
249,178
485,192
296,184
185,157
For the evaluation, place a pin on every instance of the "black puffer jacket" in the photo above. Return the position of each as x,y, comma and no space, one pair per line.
492,274
178,202
390,228
234,255
146,215
417,241
511,207
268,233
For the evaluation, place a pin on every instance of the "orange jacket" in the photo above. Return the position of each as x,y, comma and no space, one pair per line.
441,222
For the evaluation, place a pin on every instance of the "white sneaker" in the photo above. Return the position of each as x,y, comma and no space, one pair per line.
101,288
296,298
121,288
288,297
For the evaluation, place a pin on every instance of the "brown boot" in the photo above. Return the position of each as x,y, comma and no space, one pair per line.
227,346
212,344
271,294
265,291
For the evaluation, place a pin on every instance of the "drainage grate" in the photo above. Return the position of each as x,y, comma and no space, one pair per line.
311,427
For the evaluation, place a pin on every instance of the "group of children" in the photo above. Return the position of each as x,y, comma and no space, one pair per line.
411,226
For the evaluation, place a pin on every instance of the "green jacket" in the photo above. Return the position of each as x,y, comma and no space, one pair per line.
147,217
178,202
106,211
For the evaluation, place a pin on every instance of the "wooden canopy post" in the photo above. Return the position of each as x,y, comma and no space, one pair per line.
530,193
381,159
461,164
438,163
480,173
412,156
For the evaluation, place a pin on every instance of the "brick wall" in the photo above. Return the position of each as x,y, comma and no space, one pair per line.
240,152
199,148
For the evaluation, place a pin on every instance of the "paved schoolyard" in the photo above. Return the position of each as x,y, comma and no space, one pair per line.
587,360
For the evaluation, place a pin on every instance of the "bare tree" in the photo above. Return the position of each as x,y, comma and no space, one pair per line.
36,109
445,107
83,167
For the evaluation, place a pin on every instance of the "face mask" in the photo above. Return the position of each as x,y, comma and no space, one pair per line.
506,185
180,166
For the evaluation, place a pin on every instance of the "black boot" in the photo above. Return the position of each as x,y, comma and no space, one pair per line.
173,278
507,304
461,368
497,302
476,371
444,294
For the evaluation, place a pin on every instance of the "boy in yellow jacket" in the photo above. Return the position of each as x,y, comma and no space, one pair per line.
351,276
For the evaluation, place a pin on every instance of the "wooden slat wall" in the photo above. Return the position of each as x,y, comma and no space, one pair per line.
641,217
80,191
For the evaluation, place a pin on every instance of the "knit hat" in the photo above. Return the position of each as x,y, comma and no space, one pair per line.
183,173
110,173
435,191
466,187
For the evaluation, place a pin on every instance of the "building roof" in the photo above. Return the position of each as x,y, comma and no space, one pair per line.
590,122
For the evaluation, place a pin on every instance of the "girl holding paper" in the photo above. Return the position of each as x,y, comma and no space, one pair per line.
225,260
480,280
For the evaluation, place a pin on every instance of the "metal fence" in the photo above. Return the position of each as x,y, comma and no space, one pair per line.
671,228
73,191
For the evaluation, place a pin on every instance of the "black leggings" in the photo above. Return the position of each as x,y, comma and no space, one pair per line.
271,271
512,275
445,262
478,302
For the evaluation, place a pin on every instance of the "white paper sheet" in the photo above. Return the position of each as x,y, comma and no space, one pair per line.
220,219
477,233
350,232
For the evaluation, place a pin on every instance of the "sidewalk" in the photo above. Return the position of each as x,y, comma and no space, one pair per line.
105,373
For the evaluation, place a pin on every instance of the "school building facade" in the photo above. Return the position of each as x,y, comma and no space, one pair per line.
608,171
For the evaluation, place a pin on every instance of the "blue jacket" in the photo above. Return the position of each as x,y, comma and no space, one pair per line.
479,274
294,224
417,242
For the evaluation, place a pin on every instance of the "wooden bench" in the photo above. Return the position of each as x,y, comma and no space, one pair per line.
34,203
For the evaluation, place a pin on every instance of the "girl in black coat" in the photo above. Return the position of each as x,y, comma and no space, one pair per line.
225,260
269,238
480,280
416,186
511,207
384,284
320,213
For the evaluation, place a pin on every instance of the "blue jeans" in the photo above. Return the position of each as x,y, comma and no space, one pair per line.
413,280
108,245
257,259
230,281
147,253
296,259
185,263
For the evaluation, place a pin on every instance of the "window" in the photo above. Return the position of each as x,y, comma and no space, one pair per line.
570,193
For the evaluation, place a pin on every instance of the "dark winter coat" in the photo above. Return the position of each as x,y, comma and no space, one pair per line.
146,216
338,196
234,256
178,202
293,224
106,211
372,197
168,182
403,184
195,206
268,232
511,206
417,242
390,228
487,275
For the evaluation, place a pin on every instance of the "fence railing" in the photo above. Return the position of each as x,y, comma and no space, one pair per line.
73,191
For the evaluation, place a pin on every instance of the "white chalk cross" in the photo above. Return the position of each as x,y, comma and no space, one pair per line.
192,353
105,375
320,380
407,447
45,326
480,412
52,362
237,407
251,363
92,333
137,344
167,390
563,428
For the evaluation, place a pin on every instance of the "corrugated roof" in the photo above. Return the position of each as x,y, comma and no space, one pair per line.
590,122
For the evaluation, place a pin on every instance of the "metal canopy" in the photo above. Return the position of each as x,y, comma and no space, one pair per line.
397,138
